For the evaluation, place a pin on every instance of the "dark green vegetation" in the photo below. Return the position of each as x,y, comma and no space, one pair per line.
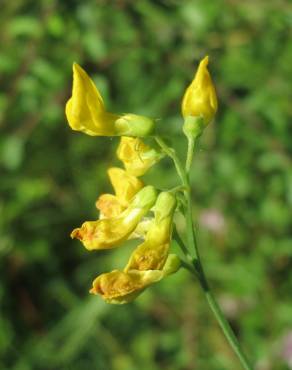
142,54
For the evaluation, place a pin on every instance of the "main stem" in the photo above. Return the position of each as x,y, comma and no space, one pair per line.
225,326
227,330
198,270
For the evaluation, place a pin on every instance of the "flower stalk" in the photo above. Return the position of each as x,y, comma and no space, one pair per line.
197,270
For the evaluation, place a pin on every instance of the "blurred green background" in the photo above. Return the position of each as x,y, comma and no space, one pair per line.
142,54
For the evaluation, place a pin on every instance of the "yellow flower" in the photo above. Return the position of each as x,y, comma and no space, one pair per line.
125,187
136,156
86,112
149,263
200,98
107,233
119,287
152,253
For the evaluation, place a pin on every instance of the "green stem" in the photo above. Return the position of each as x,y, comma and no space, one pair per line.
181,244
198,268
227,330
191,236
188,267
177,189
223,323
172,154
198,272
190,153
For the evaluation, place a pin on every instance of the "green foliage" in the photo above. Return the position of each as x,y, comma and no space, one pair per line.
142,54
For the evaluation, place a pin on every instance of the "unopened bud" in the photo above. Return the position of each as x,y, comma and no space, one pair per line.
200,98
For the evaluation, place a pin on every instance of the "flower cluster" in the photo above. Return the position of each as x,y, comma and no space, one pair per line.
134,210
138,211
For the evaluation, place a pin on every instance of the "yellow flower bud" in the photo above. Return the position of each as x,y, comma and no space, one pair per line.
200,98
125,187
86,112
118,287
152,253
107,233
137,156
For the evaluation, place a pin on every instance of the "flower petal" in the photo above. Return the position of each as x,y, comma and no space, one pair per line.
107,233
118,287
153,252
125,185
85,110
137,156
109,206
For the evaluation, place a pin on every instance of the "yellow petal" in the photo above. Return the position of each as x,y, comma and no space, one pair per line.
148,256
85,110
109,206
142,229
200,98
125,185
118,287
107,233
137,156
153,252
